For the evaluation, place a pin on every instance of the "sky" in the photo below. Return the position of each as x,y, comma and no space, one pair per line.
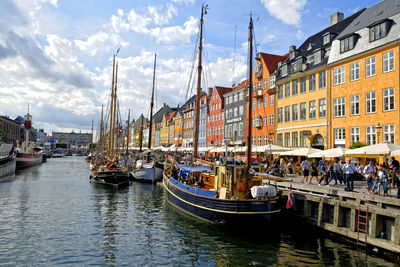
57,55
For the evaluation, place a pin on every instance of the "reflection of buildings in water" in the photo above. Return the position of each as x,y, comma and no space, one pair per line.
109,200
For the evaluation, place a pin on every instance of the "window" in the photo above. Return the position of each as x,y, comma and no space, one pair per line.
294,87
370,68
259,140
295,139
279,139
355,71
271,119
253,140
339,106
354,135
388,133
287,89
347,44
322,108
235,97
280,115
340,136
240,110
370,135
265,100
302,140
388,99
253,106
284,70
302,85
241,128
280,91
355,105
271,81
254,88
370,104
241,95
338,75
265,120
265,83
312,109
303,111
287,139
388,61
259,103
377,32
311,82
322,79
287,114
259,85
265,140
317,56
326,38
295,112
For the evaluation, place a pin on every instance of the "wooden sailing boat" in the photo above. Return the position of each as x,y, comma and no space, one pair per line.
107,170
227,193
147,170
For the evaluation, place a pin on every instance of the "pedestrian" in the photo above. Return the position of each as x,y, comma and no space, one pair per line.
321,163
395,169
369,172
314,171
290,166
283,165
337,169
324,174
349,170
306,170
332,173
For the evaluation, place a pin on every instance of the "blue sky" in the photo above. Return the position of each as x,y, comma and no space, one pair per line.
57,54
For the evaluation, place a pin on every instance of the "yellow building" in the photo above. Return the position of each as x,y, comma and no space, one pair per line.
364,78
178,128
303,90
164,131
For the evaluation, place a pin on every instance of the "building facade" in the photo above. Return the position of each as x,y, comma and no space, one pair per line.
203,120
364,78
215,117
12,127
72,138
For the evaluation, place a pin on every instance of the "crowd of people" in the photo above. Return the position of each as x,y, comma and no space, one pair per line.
378,177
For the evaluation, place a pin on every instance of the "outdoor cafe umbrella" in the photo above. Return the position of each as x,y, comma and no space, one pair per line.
338,152
305,151
381,149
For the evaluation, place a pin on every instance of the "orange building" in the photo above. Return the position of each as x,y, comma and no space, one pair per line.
364,77
263,103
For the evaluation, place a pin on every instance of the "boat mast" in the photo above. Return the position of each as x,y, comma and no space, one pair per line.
152,101
250,93
101,125
91,143
199,69
113,139
127,137
141,134
111,109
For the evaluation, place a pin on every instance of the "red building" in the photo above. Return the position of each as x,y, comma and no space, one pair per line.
215,117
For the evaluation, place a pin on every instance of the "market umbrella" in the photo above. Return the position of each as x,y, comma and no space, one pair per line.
305,151
330,153
381,149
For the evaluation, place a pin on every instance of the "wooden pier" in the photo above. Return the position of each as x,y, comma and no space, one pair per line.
367,219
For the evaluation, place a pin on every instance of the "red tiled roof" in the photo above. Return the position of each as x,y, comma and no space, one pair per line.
271,61
222,90
170,115
240,85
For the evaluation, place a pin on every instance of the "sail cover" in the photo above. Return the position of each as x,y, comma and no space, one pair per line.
189,170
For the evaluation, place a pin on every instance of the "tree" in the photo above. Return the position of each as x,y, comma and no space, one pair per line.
357,145
3,134
61,145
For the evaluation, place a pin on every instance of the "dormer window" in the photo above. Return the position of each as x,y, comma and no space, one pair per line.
347,43
378,30
292,54
310,46
326,38
317,56
299,63
284,70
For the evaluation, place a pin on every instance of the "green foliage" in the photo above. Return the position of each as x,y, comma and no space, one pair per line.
61,145
3,134
357,145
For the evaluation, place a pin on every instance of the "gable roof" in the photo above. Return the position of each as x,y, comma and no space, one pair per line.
380,11
157,118
138,123
271,61
222,90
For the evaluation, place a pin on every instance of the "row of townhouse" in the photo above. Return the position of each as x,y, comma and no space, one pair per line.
341,85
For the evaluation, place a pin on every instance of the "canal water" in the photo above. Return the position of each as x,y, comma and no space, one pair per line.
52,215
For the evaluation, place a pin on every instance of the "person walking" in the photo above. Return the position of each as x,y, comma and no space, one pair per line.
324,174
314,171
395,169
306,170
332,173
349,170
369,172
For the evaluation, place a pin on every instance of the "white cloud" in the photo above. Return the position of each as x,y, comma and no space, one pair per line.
184,1
287,11
269,38
175,33
300,34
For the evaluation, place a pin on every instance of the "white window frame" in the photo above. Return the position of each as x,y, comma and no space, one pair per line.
354,135
354,105
370,102
271,100
388,133
271,119
355,71
339,75
370,67
340,136
370,135
388,61
265,83
339,107
312,110
323,108
388,99
295,112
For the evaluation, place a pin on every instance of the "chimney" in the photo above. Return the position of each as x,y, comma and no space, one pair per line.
336,17
292,48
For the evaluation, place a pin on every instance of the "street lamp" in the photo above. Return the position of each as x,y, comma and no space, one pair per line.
378,131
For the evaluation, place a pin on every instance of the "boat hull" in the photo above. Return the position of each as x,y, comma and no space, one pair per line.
222,211
25,160
110,178
7,168
148,175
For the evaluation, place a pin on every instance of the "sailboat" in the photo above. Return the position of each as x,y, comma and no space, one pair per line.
222,193
148,170
107,170
28,153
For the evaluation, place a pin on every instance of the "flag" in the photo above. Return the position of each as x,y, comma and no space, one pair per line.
290,199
